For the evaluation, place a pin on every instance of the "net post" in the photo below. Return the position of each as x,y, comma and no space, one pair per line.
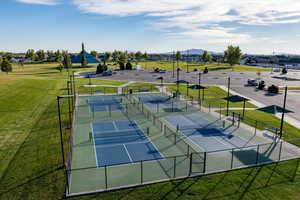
157,107
280,150
174,174
231,164
186,106
220,111
105,170
257,154
141,172
148,131
188,150
177,127
93,112
191,163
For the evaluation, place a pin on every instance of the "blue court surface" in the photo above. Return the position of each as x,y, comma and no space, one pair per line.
104,104
206,134
121,142
154,99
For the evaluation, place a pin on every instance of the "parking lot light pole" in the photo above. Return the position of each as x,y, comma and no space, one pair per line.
283,112
228,93
173,64
199,81
177,82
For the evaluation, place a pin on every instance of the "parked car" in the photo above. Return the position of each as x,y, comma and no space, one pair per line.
162,71
252,82
107,73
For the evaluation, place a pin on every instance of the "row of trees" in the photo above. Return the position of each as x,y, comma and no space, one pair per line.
41,55
232,55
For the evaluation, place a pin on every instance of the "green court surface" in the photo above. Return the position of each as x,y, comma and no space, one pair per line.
183,155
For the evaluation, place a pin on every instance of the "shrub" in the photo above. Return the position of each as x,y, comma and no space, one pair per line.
128,66
195,69
273,89
261,85
284,71
205,71
101,68
121,65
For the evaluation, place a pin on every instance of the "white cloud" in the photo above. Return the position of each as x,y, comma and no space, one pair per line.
42,2
201,18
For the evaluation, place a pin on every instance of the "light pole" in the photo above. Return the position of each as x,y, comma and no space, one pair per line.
173,64
228,93
177,82
187,63
283,112
199,81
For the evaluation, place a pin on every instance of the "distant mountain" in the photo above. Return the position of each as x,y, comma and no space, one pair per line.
196,52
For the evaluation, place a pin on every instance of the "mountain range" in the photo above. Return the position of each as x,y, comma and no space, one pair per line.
195,52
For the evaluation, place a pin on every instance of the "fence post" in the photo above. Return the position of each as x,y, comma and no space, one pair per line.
191,163
257,154
280,149
255,127
141,172
157,107
105,170
231,165
220,111
188,150
205,162
174,174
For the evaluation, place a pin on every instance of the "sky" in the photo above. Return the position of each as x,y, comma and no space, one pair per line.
257,26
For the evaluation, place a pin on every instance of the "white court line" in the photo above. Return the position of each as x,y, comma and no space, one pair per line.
115,126
127,153
91,125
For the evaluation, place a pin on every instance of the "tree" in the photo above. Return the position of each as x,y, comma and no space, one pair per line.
40,55
115,56
66,61
94,54
233,55
107,56
50,55
138,55
6,66
145,55
58,55
128,66
101,68
206,57
30,54
178,57
83,61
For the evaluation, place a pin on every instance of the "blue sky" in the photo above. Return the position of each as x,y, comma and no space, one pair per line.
151,25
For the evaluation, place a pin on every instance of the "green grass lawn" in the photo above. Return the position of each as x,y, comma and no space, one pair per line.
213,96
265,119
143,87
31,156
199,66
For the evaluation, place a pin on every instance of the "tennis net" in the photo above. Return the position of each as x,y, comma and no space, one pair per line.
111,134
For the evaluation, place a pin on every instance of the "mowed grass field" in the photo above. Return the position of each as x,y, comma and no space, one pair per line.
168,65
31,162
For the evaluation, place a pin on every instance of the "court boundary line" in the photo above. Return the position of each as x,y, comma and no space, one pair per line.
127,153
149,139
95,150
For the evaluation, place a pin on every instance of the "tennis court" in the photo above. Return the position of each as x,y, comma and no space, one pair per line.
104,104
121,142
209,135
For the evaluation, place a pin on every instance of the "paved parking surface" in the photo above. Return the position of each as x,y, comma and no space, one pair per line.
238,80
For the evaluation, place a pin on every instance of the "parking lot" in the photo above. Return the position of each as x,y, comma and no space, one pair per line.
238,83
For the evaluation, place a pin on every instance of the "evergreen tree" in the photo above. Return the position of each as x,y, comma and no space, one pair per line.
206,57
145,55
128,66
6,66
138,55
83,61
